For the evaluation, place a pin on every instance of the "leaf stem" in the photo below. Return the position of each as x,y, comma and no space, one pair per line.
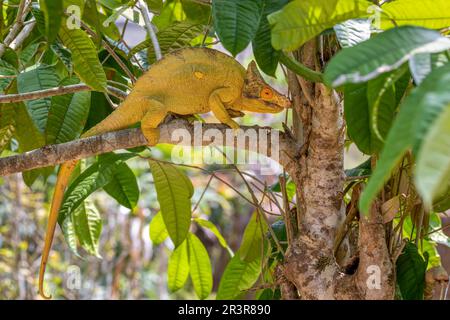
301,69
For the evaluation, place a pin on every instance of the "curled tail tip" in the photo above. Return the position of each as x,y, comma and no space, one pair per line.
41,282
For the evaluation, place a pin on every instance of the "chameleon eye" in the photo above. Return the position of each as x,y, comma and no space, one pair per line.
266,93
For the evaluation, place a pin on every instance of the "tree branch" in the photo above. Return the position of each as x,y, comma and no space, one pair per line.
24,7
10,98
130,138
150,29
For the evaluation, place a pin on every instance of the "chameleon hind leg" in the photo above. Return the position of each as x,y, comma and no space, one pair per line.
155,114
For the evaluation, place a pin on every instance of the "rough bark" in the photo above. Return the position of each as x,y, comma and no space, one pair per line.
311,264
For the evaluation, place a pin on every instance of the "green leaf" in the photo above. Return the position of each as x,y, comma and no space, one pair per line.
171,12
236,22
87,224
211,227
174,191
422,64
364,169
178,267
64,55
382,105
158,230
200,267
417,113
29,138
85,60
176,36
290,188
252,244
266,56
67,115
239,275
95,18
433,161
432,14
40,78
351,32
123,186
53,12
93,178
28,53
411,269
197,11
442,203
382,53
155,6
301,20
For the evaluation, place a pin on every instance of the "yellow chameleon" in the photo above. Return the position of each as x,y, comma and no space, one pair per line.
187,81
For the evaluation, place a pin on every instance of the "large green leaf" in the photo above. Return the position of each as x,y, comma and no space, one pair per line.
158,230
433,14
239,275
53,13
123,186
178,267
432,174
87,225
352,32
64,55
417,113
266,56
40,78
236,22
382,53
174,191
301,20
85,60
176,36
93,178
29,138
252,244
200,267
411,273
369,111
67,115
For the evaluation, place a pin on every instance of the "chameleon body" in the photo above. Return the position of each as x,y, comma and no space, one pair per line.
185,82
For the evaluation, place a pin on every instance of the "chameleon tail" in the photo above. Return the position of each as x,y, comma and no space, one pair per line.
119,119
61,183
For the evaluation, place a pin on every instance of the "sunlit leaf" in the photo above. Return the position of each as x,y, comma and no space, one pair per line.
174,191
200,267
178,267
382,53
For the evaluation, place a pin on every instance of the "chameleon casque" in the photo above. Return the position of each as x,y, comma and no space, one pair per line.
185,82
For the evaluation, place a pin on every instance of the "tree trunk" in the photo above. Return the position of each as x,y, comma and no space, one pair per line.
315,267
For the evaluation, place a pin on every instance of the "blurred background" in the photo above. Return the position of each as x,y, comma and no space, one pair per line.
130,266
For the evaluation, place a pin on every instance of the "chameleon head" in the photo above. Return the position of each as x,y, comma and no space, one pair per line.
259,96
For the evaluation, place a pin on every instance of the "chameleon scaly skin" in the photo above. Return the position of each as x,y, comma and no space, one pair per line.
187,81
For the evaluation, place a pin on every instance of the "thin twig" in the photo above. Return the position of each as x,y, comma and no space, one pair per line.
58,91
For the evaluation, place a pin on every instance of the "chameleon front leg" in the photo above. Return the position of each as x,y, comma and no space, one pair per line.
155,114
217,107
